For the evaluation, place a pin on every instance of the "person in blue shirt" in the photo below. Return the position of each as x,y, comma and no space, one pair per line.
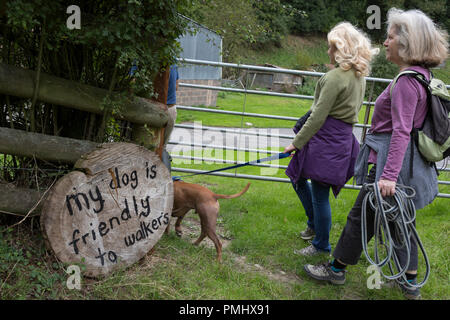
171,101
172,111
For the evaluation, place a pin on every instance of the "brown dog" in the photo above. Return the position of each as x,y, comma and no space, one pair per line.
187,196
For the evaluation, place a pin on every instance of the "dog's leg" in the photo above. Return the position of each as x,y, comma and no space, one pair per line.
208,217
213,236
200,239
167,228
178,230
215,239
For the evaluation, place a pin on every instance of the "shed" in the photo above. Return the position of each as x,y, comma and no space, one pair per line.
274,81
199,43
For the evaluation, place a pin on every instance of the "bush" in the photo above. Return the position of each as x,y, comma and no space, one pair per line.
114,34
381,68
308,86
304,60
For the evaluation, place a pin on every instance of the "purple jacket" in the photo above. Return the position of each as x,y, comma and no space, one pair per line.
328,157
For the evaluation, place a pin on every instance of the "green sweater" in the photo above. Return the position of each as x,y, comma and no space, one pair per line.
338,94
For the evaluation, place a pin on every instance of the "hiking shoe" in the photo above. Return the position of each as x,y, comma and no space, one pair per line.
410,293
323,272
308,251
308,234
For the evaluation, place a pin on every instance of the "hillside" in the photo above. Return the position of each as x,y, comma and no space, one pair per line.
295,52
310,53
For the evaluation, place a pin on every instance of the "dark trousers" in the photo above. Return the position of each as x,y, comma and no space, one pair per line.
349,247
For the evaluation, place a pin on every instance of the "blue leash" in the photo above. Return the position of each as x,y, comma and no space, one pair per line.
274,157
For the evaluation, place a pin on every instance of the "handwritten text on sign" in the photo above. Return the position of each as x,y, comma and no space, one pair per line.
110,212
132,208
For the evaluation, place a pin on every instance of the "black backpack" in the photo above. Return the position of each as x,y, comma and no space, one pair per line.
433,139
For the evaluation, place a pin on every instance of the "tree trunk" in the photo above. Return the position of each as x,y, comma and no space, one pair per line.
110,215
19,82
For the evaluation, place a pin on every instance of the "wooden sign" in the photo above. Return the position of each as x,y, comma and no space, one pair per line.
111,214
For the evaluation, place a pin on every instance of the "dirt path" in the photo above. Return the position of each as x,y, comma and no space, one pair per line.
191,230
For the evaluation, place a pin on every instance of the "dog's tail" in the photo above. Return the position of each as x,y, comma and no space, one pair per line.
224,196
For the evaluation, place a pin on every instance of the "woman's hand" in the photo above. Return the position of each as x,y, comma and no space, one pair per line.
289,149
387,187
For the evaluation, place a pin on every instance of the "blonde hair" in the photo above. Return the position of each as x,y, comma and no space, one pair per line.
420,41
353,48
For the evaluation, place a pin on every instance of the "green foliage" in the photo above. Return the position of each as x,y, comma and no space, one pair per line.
23,274
318,16
275,18
243,24
321,15
258,23
382,68
308,87
443,73
114,35
304,60
234,20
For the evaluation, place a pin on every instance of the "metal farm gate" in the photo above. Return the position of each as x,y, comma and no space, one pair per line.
363,126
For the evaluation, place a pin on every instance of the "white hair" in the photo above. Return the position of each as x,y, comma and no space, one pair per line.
353,48
421,42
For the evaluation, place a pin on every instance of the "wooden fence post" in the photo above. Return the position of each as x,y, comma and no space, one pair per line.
142,134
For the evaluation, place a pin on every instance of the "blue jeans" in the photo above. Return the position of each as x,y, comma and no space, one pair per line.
315,200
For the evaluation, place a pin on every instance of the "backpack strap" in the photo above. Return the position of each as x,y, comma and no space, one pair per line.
414,132
417,75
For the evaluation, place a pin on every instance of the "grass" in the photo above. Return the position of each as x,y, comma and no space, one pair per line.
251,103
292,52
443,73
260,230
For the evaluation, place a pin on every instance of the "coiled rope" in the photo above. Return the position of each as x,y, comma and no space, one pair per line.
397,214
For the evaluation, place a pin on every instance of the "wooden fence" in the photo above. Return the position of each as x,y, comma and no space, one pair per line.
149,117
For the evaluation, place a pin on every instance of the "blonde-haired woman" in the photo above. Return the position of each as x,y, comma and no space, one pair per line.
325,146
351,48
413,43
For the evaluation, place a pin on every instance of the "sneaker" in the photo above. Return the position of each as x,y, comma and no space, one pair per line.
308,234
308,251
323,272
